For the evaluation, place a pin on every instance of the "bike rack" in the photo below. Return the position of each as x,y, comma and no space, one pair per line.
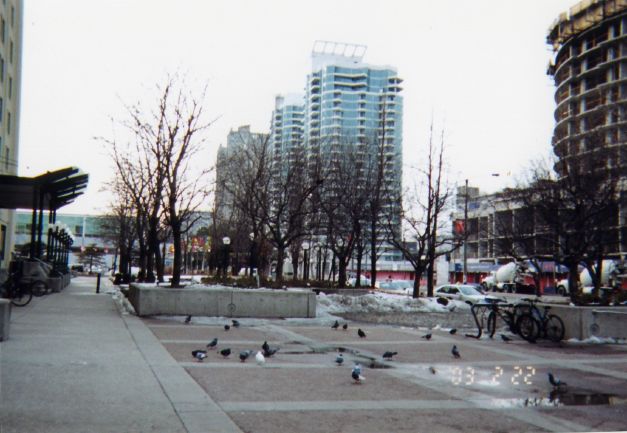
482,308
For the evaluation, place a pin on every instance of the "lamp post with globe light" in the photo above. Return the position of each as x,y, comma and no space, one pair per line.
226,250
306,260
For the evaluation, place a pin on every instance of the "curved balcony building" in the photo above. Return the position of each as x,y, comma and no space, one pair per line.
590,73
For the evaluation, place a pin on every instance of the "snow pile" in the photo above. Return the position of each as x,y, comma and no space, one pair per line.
383,303
122,303
598,340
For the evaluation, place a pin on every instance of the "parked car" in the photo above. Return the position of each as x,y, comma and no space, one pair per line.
461,292
404,286
365,282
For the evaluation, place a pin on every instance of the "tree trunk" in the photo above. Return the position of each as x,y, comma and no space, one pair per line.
279,263
176,264
360,254
373,255
573,279
416,292
295,265
430,273
342,265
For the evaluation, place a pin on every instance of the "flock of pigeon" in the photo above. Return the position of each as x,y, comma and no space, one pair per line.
260,357
267,352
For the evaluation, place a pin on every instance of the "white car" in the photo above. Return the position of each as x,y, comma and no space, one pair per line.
404,286
365,282
461,292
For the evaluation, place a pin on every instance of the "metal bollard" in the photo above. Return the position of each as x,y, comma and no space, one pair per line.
98,283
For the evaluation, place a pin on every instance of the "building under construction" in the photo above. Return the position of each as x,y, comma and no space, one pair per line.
590,72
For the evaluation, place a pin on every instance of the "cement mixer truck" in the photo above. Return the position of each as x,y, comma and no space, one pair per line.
508,278
609,271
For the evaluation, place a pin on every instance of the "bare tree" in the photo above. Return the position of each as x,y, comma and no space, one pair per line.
343,200
178,138
155,169
422,238
284,201
575,214
241,173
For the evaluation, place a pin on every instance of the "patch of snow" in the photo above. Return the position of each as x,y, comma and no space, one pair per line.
598,340
385,303
123,304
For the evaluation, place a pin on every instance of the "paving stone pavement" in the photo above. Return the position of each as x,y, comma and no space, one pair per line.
495,386
75,363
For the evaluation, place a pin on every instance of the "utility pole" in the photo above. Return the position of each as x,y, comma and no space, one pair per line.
465,280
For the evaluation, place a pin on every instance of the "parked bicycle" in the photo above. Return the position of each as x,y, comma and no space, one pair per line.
533,323
20,293
506,312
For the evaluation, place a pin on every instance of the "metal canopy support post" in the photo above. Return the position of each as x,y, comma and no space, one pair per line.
33,223
40,224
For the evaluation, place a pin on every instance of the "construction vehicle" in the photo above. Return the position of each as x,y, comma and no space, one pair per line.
508,278
609,274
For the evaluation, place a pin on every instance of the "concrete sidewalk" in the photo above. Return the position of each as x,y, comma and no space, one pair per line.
73,363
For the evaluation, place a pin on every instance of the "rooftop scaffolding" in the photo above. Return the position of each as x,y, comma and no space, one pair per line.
354,52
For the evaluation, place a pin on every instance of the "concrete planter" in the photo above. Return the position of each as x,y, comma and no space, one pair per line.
585,322
212,301
5,319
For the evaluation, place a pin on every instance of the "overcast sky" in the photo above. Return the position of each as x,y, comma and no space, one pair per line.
478,67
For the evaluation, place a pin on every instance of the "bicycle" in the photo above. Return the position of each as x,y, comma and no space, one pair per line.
533,324
19,293
504,312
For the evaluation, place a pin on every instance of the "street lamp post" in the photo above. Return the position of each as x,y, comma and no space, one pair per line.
225,259
251,261
305,261
465,232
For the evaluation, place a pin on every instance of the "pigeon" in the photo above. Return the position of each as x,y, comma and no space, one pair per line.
455,352
555,381
265,346
227,327
260,358
268,353
225,352
243,356
427,336
356,374
339,359
432,370
199,355
335,325
452,331
389,355
361,333
505,338
235,323
345,326
188,319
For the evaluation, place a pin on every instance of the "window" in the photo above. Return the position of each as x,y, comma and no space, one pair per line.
1,68
8,122
1,109
12,15
6,160
78,230
10,87
11,52
2,29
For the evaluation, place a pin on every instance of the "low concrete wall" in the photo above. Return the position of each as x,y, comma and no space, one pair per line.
211,301
585,322
5,319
